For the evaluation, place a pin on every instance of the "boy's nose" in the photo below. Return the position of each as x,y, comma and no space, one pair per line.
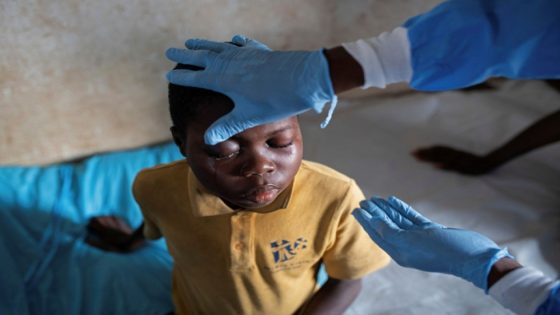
259,165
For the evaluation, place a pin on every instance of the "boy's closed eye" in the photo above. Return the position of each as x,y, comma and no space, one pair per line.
229,148
280,143
282,138
223,150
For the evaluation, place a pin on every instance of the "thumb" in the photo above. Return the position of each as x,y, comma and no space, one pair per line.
226,127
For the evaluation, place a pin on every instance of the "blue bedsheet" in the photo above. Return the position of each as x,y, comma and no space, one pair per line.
46,268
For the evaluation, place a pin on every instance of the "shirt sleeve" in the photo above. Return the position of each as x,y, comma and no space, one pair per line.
352,253
139,190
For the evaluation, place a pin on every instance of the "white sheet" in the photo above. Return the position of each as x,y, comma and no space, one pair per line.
518,205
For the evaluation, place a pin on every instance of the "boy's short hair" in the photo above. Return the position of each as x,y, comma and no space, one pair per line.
185,102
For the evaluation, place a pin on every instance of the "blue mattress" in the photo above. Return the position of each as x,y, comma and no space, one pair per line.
46,266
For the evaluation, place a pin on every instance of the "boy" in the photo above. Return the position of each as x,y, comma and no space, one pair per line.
247,222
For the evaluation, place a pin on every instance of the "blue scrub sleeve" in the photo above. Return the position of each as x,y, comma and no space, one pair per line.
463,42
552,305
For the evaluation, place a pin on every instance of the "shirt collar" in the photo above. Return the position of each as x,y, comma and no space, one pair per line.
205,204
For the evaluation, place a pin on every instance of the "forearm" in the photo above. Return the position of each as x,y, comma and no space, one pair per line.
501,268
334,297
543,132
346,73
371,62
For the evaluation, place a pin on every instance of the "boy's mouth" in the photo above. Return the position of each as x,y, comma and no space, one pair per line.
262,194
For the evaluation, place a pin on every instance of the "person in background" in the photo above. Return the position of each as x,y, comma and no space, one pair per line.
543,132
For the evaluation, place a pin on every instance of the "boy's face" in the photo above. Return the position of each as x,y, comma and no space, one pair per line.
250,169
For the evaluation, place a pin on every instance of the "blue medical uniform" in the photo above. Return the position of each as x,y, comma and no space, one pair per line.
552,305
464,42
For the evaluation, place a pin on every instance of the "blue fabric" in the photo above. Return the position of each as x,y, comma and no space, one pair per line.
46,266
322,275
463,42
552,305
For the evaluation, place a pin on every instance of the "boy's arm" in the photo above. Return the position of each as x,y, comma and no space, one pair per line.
543,132
334,297
351,255
112,233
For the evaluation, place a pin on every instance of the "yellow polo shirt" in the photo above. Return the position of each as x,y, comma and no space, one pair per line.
244,262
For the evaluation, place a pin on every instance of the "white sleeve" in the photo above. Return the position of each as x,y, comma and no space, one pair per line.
385,59
522,290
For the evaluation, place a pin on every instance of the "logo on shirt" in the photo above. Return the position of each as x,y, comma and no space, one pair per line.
285,250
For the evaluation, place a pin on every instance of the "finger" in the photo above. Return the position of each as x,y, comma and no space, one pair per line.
371,208
407,211
378,228
189,57
226,127
365,219
240,39
382,220
105,221
244,41
399,220
189,78
123,226
203,44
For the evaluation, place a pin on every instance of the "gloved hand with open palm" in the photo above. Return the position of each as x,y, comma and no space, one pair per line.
414,241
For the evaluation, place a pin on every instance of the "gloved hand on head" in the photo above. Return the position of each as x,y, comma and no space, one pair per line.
414,241
264,85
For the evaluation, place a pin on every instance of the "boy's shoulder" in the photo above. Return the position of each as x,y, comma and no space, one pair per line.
161,174
320,173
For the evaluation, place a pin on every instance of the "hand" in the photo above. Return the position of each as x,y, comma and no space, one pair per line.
112,234
414,241
455,160
264,85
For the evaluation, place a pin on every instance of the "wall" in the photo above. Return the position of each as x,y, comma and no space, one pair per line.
79,77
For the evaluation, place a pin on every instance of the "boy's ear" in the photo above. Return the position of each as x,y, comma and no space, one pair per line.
179,140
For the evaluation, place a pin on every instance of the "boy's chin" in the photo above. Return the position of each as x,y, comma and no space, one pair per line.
257,199
251,206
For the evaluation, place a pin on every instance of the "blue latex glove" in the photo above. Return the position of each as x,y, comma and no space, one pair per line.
414,241
264,85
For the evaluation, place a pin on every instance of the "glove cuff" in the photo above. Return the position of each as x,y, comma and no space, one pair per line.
325,91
